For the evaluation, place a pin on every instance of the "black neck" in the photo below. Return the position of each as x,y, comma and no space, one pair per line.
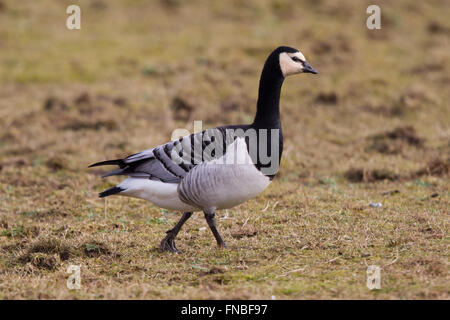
268,106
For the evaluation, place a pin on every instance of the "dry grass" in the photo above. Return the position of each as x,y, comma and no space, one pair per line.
373,126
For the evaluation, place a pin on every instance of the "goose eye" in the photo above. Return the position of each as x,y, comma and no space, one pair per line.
296,59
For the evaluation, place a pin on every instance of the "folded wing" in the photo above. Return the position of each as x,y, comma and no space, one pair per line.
169,162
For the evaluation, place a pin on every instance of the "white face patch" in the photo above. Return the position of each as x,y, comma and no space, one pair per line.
289,66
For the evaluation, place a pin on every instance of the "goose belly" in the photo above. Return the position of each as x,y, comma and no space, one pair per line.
164,195
222,186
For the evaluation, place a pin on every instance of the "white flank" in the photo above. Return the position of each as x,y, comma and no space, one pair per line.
162,194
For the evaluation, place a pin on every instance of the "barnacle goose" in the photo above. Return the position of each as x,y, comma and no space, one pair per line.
217,168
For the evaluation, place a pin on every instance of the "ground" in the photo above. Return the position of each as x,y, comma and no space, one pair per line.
372,127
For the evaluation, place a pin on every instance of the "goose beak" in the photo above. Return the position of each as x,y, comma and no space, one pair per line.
307,68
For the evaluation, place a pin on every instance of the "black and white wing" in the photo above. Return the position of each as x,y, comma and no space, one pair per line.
171,162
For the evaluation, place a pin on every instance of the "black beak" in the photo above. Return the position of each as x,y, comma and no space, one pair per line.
307,68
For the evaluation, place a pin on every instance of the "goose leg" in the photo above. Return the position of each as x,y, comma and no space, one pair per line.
168,243
211,220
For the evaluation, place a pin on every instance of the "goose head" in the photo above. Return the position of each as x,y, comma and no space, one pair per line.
292,61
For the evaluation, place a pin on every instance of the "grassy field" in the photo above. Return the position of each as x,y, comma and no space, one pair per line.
372,126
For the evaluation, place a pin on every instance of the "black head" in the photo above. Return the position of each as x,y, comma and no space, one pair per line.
290,61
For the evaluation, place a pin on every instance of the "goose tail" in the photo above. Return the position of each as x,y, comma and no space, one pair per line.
117,162
110,192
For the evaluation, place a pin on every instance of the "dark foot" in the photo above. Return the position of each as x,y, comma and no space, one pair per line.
168,244
222,245
211,220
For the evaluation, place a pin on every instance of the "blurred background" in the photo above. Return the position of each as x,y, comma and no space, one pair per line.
375,118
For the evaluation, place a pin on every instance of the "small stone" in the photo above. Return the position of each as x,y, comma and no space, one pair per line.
375,205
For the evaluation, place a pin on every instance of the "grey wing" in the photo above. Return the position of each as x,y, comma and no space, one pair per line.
159,163
170,162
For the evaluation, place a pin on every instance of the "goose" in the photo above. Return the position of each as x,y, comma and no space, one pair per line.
217,168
